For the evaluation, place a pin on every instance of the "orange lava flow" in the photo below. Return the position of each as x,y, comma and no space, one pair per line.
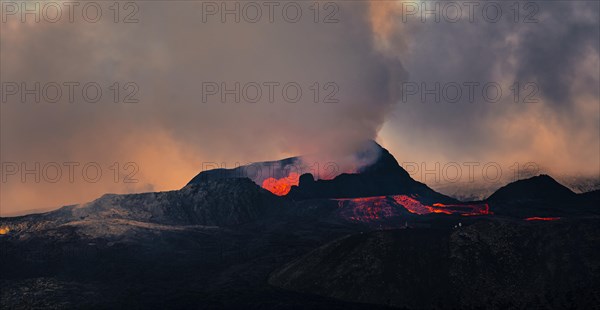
281,187
374,208
535,218
411,204
4,230
462,209
367,209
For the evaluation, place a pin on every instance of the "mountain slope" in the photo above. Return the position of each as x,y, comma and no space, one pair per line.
541,196
541,187
223,202
219,202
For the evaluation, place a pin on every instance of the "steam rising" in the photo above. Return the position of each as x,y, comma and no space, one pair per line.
171,132
559,52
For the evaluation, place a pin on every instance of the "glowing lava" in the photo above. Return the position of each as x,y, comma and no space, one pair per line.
414,206
367,209
535,218
374,208
462,209
4,230
281,186
411,204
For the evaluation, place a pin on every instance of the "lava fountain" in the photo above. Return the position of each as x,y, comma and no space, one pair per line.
281,187
4,230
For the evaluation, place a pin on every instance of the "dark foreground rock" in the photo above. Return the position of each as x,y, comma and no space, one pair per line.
489,264
223,242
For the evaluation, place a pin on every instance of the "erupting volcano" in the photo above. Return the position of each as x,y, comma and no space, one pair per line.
252,218
371,186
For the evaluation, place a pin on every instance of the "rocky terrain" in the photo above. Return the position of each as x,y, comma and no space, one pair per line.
365,240
492,264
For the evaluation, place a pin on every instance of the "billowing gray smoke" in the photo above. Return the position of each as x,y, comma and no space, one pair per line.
210,89
187,69
549,50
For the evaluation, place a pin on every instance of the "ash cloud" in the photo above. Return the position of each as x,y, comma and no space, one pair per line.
559,53
170,132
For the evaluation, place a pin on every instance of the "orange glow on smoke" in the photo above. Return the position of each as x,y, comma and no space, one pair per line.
535,218
281,186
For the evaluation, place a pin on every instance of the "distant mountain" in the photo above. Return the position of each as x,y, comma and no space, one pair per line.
467,191
541,187
541,196
580,183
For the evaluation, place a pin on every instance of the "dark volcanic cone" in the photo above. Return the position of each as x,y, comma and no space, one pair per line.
541,187
541,196
383,177
378,174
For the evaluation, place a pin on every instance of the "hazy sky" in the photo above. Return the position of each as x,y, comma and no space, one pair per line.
352,62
